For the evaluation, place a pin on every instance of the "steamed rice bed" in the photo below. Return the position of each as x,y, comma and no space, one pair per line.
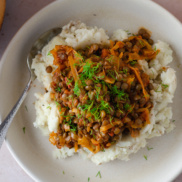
78,35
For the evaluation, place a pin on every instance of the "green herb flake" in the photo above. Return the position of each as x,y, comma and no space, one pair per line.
110,58
133,62
127,107
58,89
78,56
149,148
49,107
157,90
99,174
102,148
63,172
49,54
57,103
173,120
23,130
76,89
89,71
88,179
26,108
155,48
69,81
145,157
165,86
120,93
125,71
141,42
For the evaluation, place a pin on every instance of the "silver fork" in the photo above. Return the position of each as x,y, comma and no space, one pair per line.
36,48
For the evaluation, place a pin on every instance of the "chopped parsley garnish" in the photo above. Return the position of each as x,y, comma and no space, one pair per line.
57,103
58,89
73,127
88,179
173,120
120,93
99,174
111,73
125,71
111,57
104,106
155,48
127,107
26,108
76,89
95,109
133,62
165,86
49,54
157,90
23,130
63,172
145,157
149,148
89,71
69,81
49,107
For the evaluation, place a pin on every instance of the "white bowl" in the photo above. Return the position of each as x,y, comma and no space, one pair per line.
33,151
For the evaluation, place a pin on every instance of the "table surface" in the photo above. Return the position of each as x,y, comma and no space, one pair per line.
17,13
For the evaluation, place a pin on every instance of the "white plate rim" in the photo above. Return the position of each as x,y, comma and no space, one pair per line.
8,144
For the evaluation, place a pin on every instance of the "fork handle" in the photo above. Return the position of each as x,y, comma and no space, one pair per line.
9,118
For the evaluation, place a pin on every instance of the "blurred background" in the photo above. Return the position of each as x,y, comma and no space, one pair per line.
17,12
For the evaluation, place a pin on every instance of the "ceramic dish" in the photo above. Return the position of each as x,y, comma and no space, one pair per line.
33,151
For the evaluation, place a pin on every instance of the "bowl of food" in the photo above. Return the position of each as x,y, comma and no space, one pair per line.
105,91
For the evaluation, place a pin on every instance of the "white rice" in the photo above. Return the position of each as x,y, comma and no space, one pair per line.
78,35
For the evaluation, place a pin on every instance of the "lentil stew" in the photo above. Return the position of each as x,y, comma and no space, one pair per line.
101,92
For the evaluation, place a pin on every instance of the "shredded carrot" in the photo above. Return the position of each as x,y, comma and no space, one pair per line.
61,140
94,142
146,95
88,128
130,79
52,95
80,70
108,144
84,142
107,127
76,146
145,113
134,56
113,52
73,68
52,138
111,44
121,55
111,134
134,133
105,53
118,45
97,148
109,80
